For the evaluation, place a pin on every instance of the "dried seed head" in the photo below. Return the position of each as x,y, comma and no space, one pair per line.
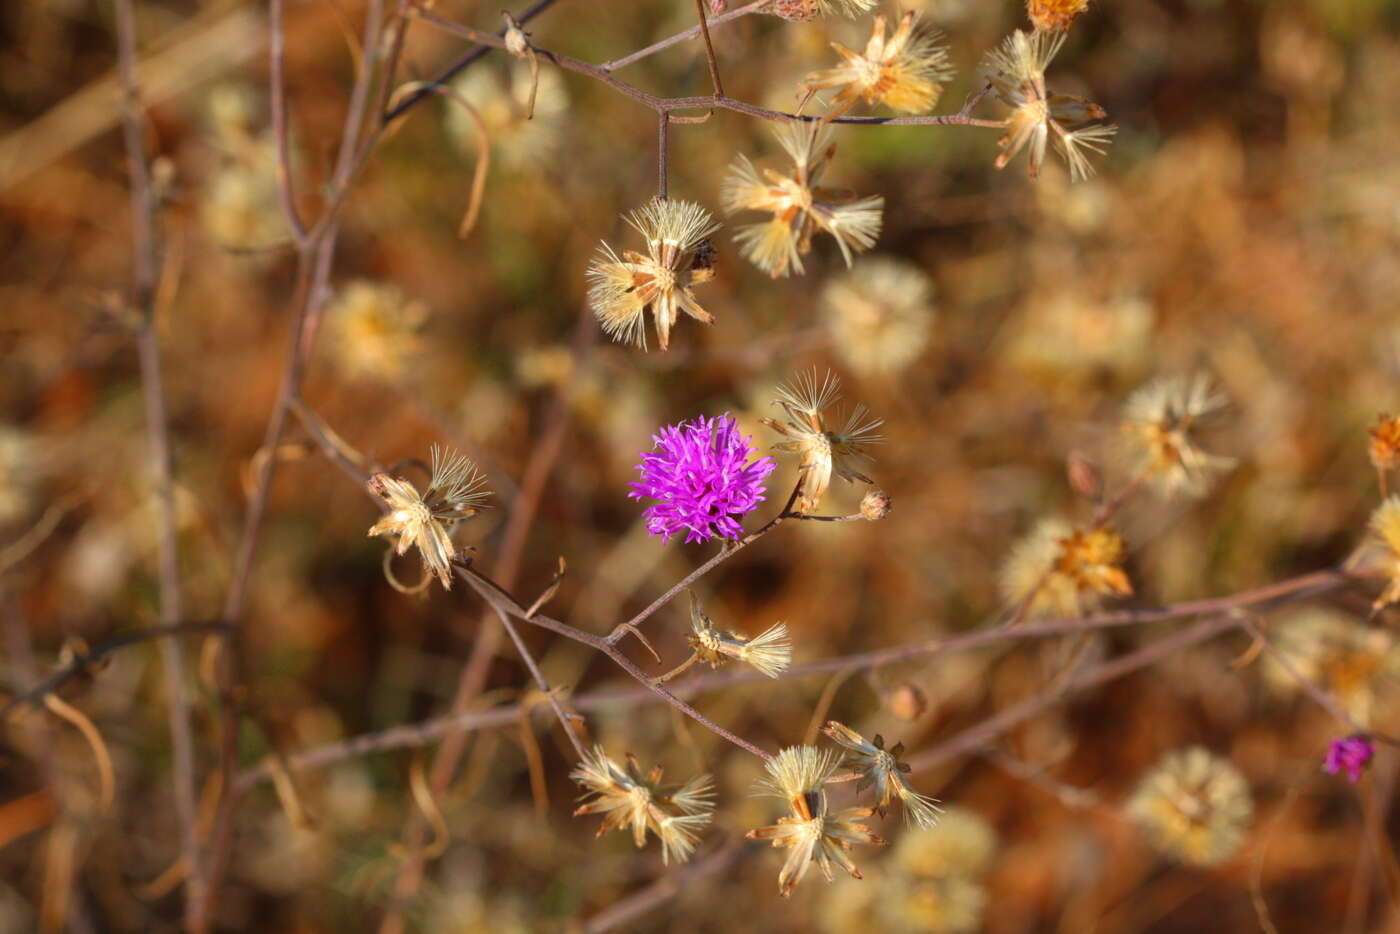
1054,15
425,520
1016,71
770,651
804,11
679,255
375,330
800,208
880,314
879,768
1382,556
628,799
822,450
1194,807
1161,422
905,71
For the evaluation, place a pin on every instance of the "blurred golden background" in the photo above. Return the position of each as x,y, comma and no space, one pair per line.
1244,223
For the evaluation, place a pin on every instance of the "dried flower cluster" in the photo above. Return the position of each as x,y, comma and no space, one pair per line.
1194,807
1054,15
799,205
374,329
822,451
425,520
628,799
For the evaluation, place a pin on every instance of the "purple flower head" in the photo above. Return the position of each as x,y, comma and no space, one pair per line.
701,480
1353,754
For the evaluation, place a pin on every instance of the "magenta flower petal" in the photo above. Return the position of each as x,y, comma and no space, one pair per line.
701,477
1353,754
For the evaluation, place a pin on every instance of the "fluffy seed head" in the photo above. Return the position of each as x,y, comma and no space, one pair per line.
770,651
374,329
881,769
1338,653
1161,422
1064,572
1194,807
879,314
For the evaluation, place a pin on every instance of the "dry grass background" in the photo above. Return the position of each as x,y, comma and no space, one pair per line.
1245,223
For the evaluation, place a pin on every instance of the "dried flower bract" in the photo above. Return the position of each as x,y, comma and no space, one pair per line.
1194,807
882,769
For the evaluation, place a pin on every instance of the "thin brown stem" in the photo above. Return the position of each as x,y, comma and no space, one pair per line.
725,554
709,49
663,152
683,35
278,94
626,910
565,720
145,272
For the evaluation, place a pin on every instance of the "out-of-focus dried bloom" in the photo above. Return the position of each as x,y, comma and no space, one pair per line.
875,505
1069,335
374,329
1054,15
501,98
17,473
702,478
1385,443
1384,555
963,844
813,834
1193,807
1159,421
800,207
1017,73
906,702
1352,754
1065,572
882,769
905,71
241,209
454,493
233,112
879,314
628,799
946,905
822,451
679,255
1338,653
770,651
804,11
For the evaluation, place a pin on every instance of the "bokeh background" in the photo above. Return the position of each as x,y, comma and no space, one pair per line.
1245,223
